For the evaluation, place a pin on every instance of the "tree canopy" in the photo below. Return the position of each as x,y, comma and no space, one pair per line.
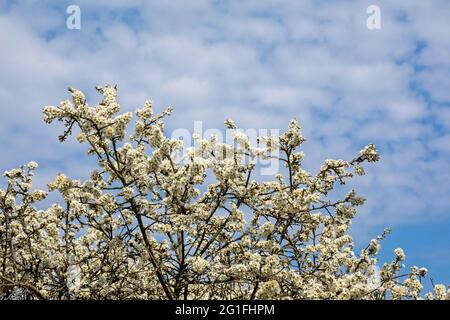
149,224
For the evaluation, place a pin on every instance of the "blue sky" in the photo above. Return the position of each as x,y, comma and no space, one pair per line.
260,63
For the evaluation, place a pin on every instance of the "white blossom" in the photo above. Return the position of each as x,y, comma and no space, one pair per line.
400,254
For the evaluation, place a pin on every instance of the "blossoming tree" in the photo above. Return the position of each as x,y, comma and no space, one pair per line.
147,225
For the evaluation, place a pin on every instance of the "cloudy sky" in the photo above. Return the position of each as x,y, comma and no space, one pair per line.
261,63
